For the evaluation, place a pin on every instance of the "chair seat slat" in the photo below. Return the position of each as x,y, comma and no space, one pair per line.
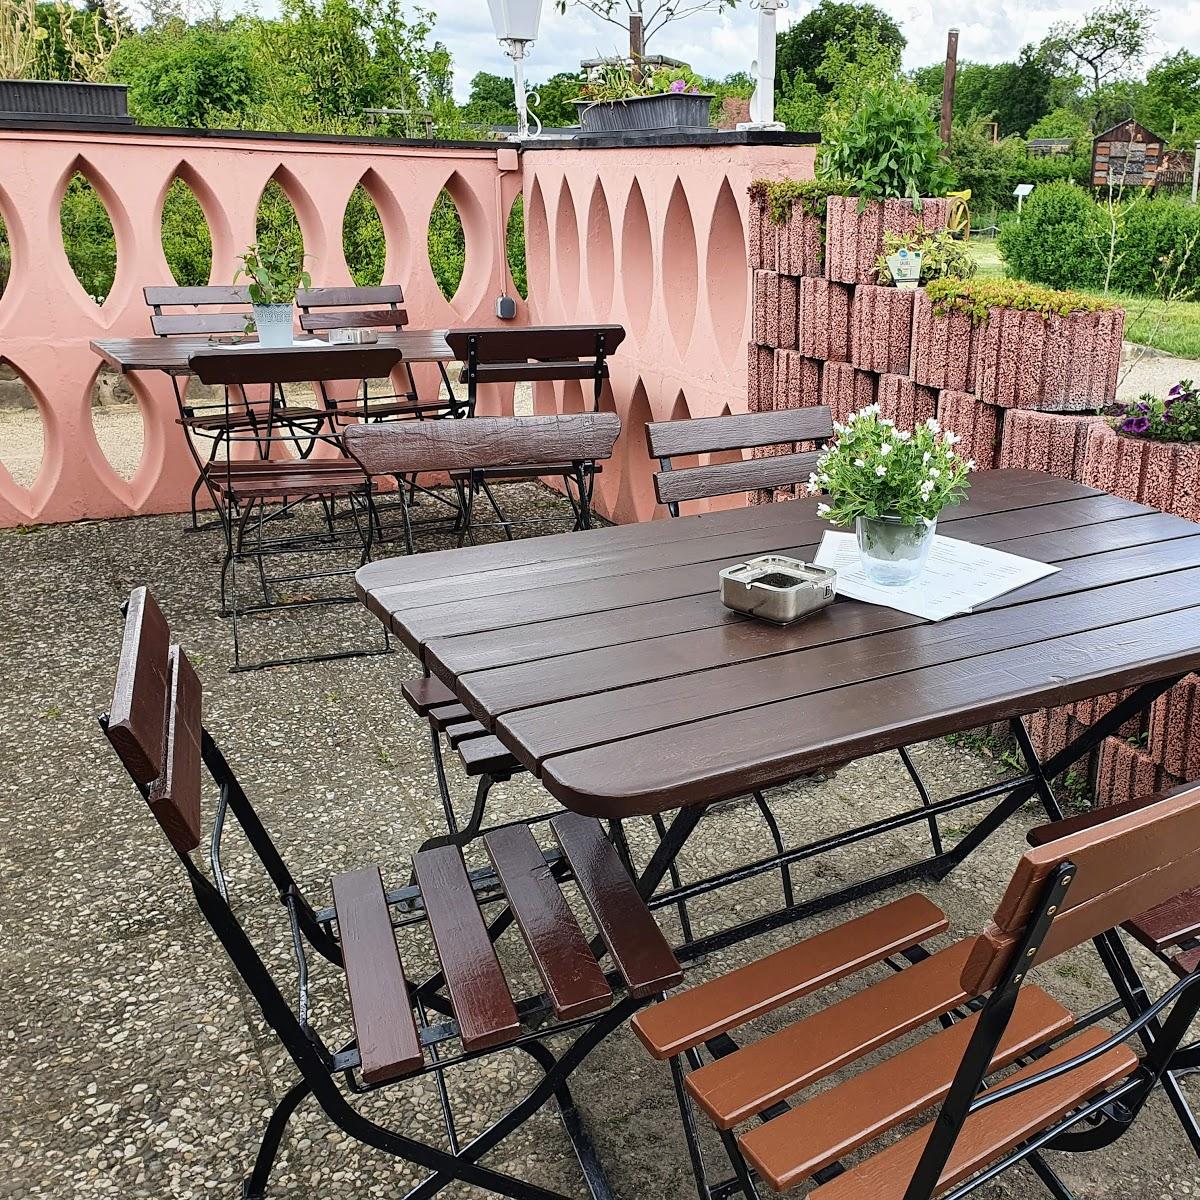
479,995
383,1021
568,969
636,943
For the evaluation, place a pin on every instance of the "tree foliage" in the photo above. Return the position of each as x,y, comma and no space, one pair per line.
832,24
655,14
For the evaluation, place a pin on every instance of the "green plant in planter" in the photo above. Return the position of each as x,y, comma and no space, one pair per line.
874,469
275,275
942,254
976,296
1174,419
885,144
618,81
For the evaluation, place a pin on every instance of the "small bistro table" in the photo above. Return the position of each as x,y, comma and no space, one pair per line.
607,665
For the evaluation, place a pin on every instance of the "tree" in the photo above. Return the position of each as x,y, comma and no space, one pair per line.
1104,46
1062,123
644,18
804,45
492,101
1170,101
555,108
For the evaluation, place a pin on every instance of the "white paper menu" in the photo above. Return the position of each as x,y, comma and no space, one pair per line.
958,576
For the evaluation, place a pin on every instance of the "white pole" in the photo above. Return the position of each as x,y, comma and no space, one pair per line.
517,52
762,103
1196,174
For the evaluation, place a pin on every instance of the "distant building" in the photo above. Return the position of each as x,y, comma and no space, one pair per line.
1127,155
1047,147
1175,169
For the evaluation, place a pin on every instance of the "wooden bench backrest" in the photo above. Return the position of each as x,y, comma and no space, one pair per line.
1122,868
402,447
255,365
154,722
533,353
742,431
352,307
218,296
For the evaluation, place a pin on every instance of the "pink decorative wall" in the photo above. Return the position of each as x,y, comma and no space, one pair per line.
654,238
47,321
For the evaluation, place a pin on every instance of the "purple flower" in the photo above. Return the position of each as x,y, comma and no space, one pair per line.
678,85
1143,407
1176,392
1136,425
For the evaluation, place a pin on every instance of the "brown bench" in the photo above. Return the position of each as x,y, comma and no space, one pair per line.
403,1027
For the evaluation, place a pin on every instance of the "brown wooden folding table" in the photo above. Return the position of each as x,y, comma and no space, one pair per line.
605,662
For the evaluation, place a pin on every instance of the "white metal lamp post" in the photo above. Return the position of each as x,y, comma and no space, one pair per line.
762,103
516,23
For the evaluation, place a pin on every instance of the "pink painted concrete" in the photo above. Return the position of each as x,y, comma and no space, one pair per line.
797,380
1028,360
977,424
662,233
1050,442
1175,729
1165,475
854,233
824,320
845,389
881,329
905,402
944,347
799,244
46,320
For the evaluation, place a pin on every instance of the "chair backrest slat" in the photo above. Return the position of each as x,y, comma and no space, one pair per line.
264,365
723,479
137,716
352,307
175,796
741,431
196,298
403,447
183,324
363,318
540,343
1122,868
349,297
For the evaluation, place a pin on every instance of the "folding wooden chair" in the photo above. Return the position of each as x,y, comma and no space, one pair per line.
258,498
402,1030
475,450
215,311
1072,1073
532,354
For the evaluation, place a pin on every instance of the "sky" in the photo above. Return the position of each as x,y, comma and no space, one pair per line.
716,45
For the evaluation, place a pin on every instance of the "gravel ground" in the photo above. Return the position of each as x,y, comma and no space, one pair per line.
134,1064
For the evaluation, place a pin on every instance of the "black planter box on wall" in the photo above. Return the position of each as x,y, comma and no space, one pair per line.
666,110
50,100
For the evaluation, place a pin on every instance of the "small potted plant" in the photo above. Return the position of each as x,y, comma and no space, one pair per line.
891,485
618,100
922,255
275,277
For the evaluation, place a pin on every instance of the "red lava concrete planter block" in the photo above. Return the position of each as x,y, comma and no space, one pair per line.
776,309
798,244
1175,729
1124,772
761,236
760,377
1031,360
1088,712
1165,475
1047,442
1050,729
824,320
797,380
977,424
845,389
905,402
881,329
944,347
854,239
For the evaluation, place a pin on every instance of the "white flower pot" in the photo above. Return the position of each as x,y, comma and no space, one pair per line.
273,324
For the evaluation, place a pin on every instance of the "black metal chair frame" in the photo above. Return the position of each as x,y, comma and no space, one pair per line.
312,932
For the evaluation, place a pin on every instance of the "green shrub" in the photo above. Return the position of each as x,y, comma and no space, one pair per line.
1059,238
1159,248
186,241
447,245
363,240
88,238
976,296
514,244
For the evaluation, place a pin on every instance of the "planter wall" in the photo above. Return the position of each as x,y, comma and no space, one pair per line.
1029,360
776,309
760,382
1124,771
760,236
1175,729
797,380
976,423
798,240
668,110
905,402
845,389
824,320
1047,442
1164,475
881,329
944,348
45,99
854,239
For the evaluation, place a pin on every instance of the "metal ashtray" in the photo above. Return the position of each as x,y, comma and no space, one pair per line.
776,588
353,337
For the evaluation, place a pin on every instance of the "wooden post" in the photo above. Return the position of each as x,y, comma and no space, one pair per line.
637,45
948,86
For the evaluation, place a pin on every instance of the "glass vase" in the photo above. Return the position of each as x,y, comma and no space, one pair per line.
892,553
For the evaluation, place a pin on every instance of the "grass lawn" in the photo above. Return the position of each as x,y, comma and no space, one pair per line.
1173,326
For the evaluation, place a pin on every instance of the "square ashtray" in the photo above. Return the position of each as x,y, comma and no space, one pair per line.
353,337
776,588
